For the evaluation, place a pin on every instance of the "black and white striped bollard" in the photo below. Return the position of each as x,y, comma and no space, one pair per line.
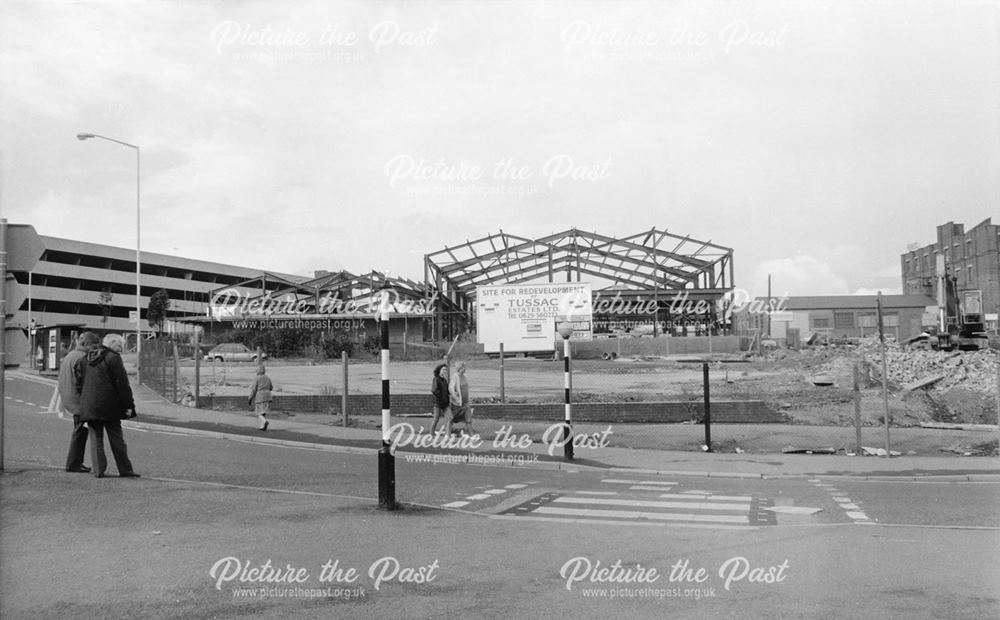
386,461
566,330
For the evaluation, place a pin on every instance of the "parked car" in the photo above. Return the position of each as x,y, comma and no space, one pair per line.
233,352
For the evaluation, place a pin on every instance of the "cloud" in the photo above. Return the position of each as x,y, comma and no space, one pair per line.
798,276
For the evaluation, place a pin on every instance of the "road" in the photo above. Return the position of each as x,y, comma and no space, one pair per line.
222,528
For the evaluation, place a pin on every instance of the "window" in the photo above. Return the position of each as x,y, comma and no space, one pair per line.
821,323
843,320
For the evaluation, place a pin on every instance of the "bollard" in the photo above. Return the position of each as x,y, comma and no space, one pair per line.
565,330
386,461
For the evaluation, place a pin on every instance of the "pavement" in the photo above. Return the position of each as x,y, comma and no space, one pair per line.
326,433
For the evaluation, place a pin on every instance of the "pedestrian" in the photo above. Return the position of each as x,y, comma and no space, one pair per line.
260,396
106,400
442,398
70,379
458,391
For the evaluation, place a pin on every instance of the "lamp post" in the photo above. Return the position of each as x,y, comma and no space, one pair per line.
386,461
565,329
138,262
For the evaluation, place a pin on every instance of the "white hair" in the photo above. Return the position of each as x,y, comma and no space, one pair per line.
115,342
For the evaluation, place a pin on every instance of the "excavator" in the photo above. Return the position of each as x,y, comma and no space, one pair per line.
963,324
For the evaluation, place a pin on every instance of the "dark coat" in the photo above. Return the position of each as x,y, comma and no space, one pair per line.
105,394
440,391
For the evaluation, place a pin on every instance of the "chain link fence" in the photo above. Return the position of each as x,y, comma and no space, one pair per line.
826,399
159,368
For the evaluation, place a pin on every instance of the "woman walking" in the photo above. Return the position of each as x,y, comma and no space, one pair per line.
260,396
439,389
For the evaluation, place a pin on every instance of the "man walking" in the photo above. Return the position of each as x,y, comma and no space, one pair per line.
105,400
70,378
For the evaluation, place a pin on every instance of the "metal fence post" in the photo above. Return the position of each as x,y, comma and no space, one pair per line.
197,370
885,373
502,399
708,408
857,409
177,367
343,396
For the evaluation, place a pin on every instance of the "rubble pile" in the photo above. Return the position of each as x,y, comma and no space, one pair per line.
910,368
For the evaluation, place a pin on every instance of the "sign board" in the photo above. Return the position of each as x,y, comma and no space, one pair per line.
783,315
53,347
24,247
14,296
133,316
523,316
17,347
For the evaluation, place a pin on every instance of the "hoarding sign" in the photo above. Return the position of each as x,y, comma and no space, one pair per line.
523,316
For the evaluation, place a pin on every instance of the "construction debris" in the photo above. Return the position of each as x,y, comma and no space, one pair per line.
793,450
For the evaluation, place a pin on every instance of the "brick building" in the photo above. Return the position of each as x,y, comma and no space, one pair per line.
972,257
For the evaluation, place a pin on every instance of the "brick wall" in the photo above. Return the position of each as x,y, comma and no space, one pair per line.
735,412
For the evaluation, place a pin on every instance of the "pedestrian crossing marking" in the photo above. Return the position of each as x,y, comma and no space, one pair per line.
723,498
694,511
638,503
642,482
640,514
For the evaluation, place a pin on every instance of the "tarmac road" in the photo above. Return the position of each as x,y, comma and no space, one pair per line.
75,546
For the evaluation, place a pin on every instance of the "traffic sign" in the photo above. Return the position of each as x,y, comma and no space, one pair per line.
14,296
24,247
16,345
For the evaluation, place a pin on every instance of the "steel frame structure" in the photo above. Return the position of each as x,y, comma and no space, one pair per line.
643,265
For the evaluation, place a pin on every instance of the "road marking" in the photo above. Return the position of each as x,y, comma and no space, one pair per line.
643,482
640,514
597,492
645,488
614,522
794,510
454,504
638,503
851,509
495,491
515,486
725,498
478,496
682,511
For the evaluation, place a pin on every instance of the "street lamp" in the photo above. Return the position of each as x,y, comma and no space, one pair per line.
138,263
565,329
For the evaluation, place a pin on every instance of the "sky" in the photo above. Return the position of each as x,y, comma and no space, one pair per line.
818,140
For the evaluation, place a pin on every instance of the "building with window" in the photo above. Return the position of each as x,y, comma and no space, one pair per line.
971,257
78,286
843,316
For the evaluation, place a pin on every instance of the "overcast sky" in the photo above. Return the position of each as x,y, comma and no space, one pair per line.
818,140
